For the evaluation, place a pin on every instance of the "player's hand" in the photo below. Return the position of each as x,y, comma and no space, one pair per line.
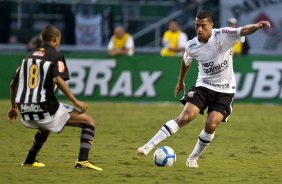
81,105
179,86
264,24
12,114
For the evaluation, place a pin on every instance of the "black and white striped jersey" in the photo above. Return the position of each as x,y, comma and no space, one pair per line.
35,88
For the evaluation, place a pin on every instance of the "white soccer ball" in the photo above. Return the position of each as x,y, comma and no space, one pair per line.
164,156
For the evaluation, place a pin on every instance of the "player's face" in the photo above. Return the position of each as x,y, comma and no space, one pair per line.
203,29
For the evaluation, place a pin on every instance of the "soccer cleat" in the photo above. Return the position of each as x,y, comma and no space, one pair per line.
87,165
35,164
192,162
144,150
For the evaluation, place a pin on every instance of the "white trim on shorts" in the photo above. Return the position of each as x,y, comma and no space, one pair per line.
231,109
54,123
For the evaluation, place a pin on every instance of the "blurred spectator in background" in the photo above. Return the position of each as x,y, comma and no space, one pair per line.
88,24
13,39
242,47
174,40
121,43
33,43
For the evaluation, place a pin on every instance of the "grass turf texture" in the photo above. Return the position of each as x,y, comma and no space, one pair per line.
245,150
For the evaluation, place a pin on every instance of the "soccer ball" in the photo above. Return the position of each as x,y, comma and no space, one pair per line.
164,156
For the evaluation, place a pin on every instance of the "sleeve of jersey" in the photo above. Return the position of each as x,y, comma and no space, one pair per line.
186,56
233,34
60,68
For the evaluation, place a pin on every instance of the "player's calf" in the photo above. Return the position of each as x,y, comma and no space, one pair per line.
38,141
86,141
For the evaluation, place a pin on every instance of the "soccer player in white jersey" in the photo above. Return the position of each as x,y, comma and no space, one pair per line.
215,86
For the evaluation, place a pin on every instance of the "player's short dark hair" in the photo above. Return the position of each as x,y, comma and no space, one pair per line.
204,14
49,32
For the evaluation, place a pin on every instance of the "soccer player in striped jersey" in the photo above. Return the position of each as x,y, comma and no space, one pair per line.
215,86
32,94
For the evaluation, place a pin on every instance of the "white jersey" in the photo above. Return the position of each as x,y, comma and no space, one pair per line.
214,58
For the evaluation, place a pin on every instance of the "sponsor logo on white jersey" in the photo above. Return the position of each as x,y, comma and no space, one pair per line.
210,68
229,31
30,108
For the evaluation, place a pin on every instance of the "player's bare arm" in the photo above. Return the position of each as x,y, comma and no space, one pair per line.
62,85
12,113
249,29
182,75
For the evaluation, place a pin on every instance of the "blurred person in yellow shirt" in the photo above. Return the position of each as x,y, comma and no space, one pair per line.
242,47
174,40
121,43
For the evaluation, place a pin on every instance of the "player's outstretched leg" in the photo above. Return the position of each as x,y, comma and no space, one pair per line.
38,141
171,127
202,143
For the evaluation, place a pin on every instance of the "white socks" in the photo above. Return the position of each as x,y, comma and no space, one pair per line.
202,143
170,128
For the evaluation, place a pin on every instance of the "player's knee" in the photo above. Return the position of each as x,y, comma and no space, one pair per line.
211,125
189,116
185,118
90,121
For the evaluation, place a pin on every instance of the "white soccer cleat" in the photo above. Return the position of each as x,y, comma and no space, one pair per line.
192,162
144,150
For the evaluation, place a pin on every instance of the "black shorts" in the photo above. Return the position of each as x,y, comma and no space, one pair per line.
215,101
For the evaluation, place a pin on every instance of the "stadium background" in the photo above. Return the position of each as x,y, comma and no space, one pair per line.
87,26
248,150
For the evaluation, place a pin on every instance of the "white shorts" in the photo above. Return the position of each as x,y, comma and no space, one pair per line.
54,123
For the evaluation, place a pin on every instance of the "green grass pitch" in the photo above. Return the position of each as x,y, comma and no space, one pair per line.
245,150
